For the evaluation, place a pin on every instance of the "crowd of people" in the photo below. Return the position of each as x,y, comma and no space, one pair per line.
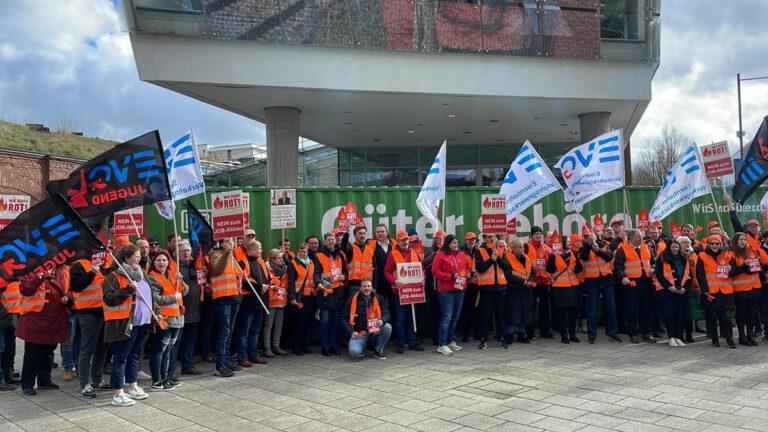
241,305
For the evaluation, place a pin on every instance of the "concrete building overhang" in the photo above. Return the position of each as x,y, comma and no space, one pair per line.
351,98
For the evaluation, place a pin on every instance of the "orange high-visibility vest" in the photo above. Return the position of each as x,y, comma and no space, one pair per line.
123,310
518,269
539,257
332,269
169,289
227,284
746,282
635,266
361,265
565,277
716,284
595,266
494,274
278,290
668,275
304,274
471,260
692,260
36,301
661,247
93,295
11,298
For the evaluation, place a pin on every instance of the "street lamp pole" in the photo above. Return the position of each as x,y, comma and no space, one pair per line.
740,133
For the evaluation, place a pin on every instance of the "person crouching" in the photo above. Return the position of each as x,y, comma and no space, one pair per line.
366,319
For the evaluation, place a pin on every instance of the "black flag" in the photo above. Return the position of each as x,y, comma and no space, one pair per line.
754,167
129,175
200,231
47,235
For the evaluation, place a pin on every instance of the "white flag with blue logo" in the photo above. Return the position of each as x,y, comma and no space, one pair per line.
528,181
183,168
166,209
685,180
433,190
578,200
595,166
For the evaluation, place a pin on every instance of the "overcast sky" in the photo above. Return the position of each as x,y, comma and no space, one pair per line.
68,62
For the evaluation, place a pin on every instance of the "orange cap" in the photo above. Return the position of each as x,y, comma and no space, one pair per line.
470,235
657,224
575,238
712,224
440,234
120,241
402,235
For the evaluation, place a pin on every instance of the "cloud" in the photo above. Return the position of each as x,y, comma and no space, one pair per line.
695,87
70,60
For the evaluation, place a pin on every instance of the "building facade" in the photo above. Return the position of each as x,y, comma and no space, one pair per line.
386,81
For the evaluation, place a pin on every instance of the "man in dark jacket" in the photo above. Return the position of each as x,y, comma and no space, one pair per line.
330,293
192,306
251,314
635,273
490,265
366,318
595,258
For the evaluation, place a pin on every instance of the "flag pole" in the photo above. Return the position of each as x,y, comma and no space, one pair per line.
717,211
138,293
176,235
133,221
626,207
413,314
245,276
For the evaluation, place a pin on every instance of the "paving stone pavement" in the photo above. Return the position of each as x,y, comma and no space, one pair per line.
542,386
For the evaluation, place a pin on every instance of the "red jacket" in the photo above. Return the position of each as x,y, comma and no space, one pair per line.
445,265
391,266
50,326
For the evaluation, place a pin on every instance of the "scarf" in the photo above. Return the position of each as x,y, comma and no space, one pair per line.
373,312
134,273
279,269
304,261
535,243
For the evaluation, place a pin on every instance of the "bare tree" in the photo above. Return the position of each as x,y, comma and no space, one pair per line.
658,156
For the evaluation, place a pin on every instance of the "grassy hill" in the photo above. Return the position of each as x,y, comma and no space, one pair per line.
16,136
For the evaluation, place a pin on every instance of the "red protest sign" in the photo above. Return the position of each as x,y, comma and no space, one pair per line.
410,278
227,219
128,221
717,160
675,230
643,222
598,224
11,206
512,226
493,215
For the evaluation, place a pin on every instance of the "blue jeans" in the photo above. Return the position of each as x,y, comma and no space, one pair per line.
205,327
329,324
450,307
187,346
225,319
357,346
70,350
249,326
162,342
172,360
403,324
609,308
125,358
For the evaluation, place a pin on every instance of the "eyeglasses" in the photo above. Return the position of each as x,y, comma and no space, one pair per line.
154,244
715,243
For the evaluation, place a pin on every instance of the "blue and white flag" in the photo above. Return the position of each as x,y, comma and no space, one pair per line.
166,209
528,181
185,177
685,180
578,200
595,166
433,190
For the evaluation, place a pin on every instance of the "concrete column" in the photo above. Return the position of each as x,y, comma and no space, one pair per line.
282,146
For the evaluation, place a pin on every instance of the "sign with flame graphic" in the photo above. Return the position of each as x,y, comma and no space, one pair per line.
598,224
348,216
717,160
642,221
227,214
556,243
493,213
674,229
12,206
411,279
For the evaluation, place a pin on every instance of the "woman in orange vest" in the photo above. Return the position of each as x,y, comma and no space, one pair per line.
167,292
565,289
746,287
43,324
694,305
10,304
714,271
303,278
278,297
673,273
330,293
519,299
126,319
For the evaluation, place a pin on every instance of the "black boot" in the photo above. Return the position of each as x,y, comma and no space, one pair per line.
522,338
688,337
730,342
575,339
743,341
716,342
564,338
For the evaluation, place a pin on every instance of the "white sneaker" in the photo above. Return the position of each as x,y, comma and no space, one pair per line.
143,376
454,346
673,342
123,401
443,349
679,342
137,394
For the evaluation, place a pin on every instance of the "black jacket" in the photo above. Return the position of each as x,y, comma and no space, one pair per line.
482,265
334,300
79,280
316,277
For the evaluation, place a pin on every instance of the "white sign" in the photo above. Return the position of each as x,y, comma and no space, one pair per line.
595,166
283,208
528,180
411,279
11,206
717,159
227,214
685,181
493,213
183,168
433,189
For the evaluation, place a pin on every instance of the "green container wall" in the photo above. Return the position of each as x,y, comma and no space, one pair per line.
395,207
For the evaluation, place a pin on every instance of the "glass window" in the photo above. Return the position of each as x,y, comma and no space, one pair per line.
392,177
351,158
427,155
456,177
493,176
498,154
551,153
619,20
461,155
382,157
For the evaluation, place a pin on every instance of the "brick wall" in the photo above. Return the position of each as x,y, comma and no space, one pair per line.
26,173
